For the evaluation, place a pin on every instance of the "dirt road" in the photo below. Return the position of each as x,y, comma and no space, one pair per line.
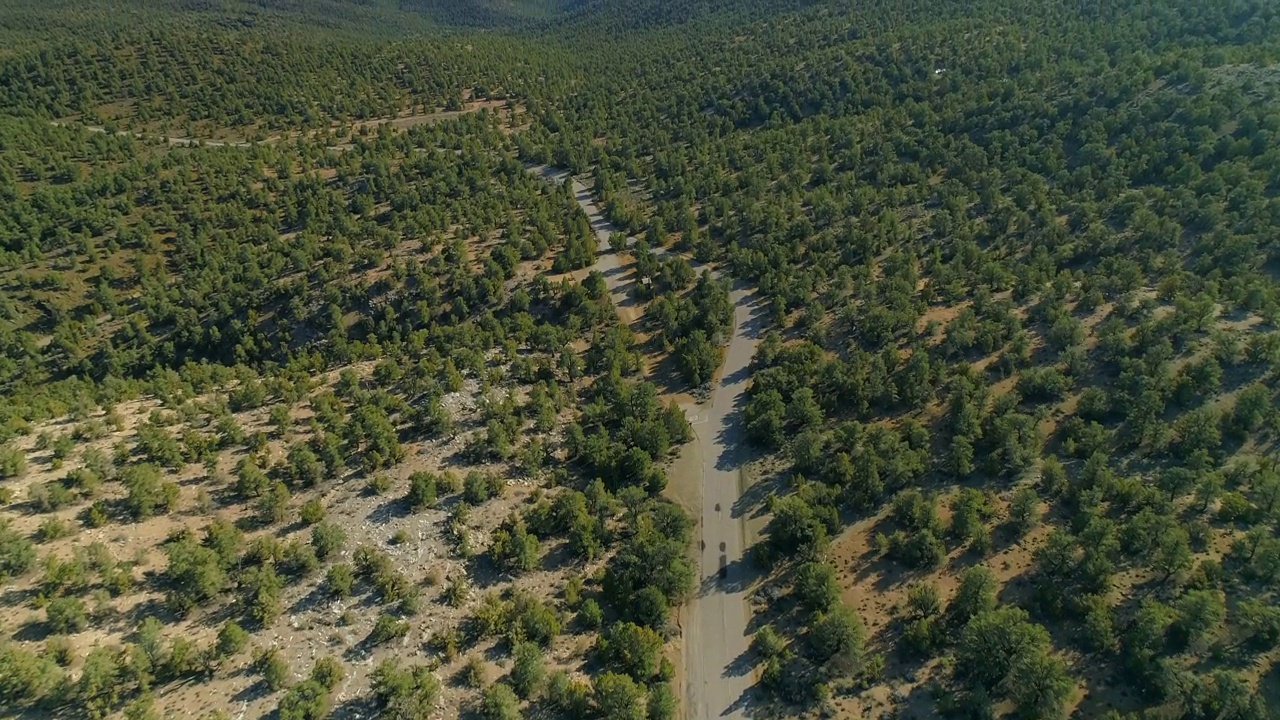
716,646
607,262
718,670
179,141
716,643
400,122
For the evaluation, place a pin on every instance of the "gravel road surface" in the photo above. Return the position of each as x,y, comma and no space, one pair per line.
719,680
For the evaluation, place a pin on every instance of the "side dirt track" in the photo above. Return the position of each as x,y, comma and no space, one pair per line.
718,678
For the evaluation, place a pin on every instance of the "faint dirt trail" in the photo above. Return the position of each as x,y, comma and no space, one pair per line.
718,682
399,122
179,141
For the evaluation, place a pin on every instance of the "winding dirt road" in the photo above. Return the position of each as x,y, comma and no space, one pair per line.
718,669
607,262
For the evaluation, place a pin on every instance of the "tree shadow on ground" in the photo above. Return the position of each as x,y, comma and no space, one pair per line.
391,509
356,708
311,600
731,577
746,703
557,557
483,573
33,631
253,691
735,451
212,619
742,665
753,501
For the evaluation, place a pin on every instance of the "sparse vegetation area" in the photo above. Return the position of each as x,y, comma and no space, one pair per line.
325,392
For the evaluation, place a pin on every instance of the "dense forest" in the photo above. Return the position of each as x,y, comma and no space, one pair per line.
313,400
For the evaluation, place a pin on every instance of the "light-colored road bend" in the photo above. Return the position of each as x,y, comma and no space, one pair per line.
607,262
718,678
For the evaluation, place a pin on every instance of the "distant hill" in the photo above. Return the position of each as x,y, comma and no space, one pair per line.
619,16
29,19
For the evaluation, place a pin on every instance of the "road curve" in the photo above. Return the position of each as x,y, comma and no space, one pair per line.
607,262
718,670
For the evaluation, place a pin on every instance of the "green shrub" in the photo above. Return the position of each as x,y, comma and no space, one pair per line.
195,574
328,671
837,633
475,673
815,586
632,649
590,614
514,548
160,447
339,580
148,494
618,696
13,463
52,495
422,491
63,576
479,487
499,702
308,700
251,482
66,615
100,684
448,483
404,694
327,538
374,566
141,708
571,697
529,669
387,628
52,529
378,484
456,592
95,516
274,669
17,554
533,620
312,512
299,559
662,702
60,650
231,639
767,643
924,600
1024,510
280,419
273,505
919,549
